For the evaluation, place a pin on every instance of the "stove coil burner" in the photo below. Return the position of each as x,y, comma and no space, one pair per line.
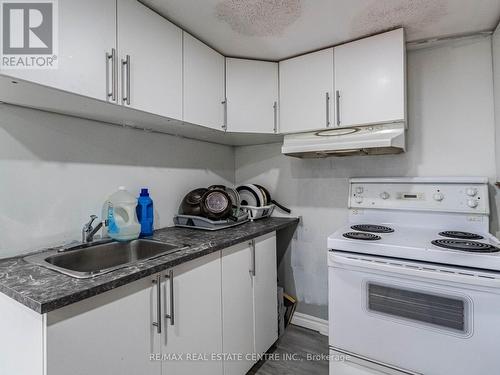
468,246
461,235
372,228
362,236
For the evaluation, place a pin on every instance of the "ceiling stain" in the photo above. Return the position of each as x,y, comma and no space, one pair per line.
259,17
414,15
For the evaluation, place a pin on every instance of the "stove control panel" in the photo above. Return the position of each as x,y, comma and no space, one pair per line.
421,195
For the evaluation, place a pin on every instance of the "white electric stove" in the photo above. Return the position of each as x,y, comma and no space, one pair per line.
414,279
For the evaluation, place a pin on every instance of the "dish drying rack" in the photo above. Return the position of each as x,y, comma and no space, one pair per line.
199,222
255,213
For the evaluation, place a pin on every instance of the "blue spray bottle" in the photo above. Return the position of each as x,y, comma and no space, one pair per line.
145,213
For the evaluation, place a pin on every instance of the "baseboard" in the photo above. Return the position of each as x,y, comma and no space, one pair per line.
310,322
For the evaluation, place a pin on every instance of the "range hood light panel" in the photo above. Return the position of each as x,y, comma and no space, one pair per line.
370,140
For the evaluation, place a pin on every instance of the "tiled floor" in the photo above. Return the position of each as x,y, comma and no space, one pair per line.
297,352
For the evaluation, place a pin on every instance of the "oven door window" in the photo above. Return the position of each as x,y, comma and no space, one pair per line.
439,311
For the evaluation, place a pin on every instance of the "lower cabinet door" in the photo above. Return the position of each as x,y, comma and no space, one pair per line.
111,333
237,309
265,293
192,340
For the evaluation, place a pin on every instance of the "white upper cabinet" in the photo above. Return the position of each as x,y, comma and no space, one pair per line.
252,96
306,87
203,84
151,77
370,80
85,36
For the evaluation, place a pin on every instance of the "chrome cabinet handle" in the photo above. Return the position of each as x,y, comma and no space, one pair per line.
170,316
337,97
126,76
157,324
327,97
252,270
224,124
275,108
111,57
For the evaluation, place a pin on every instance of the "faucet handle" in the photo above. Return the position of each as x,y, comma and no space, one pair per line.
92,218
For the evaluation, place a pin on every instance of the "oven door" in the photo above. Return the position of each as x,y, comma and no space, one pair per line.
421,318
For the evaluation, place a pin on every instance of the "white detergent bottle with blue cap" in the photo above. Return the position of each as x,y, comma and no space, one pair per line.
119,211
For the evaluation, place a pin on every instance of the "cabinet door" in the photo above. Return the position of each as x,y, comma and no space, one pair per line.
197,323
252,96
306,86
265,293
111,333
155,49
203,84
87,31
370,79
237,307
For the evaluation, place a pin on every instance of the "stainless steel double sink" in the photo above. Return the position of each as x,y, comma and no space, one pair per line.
88,260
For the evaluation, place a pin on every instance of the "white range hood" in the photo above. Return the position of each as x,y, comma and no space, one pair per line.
368,140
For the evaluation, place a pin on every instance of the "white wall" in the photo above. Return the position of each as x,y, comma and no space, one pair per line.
55,171
451,132
496,81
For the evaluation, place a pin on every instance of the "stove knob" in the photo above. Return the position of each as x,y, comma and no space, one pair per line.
359,200
472,203
471,192
359,190
385,195
438,197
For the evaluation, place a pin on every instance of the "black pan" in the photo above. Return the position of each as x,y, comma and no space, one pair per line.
270,200
216,204
191,204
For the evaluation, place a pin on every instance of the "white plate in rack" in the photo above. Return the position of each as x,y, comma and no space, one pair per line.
251,195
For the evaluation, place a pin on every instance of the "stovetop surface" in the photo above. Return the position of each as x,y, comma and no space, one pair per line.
416,243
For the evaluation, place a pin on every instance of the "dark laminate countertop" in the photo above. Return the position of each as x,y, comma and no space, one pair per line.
44,290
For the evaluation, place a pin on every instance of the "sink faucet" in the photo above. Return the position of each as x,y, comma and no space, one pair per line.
88,231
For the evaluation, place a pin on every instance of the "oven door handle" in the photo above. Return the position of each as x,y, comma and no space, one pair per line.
408,268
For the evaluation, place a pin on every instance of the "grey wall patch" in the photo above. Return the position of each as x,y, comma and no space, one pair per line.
414,15
259,17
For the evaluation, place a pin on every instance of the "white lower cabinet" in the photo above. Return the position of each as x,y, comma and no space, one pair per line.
117,332
265,293
249,303
237,308
111,333
181,321
195,333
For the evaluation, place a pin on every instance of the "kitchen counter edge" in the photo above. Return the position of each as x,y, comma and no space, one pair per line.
44,290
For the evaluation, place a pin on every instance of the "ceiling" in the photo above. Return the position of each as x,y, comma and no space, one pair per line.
276,29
